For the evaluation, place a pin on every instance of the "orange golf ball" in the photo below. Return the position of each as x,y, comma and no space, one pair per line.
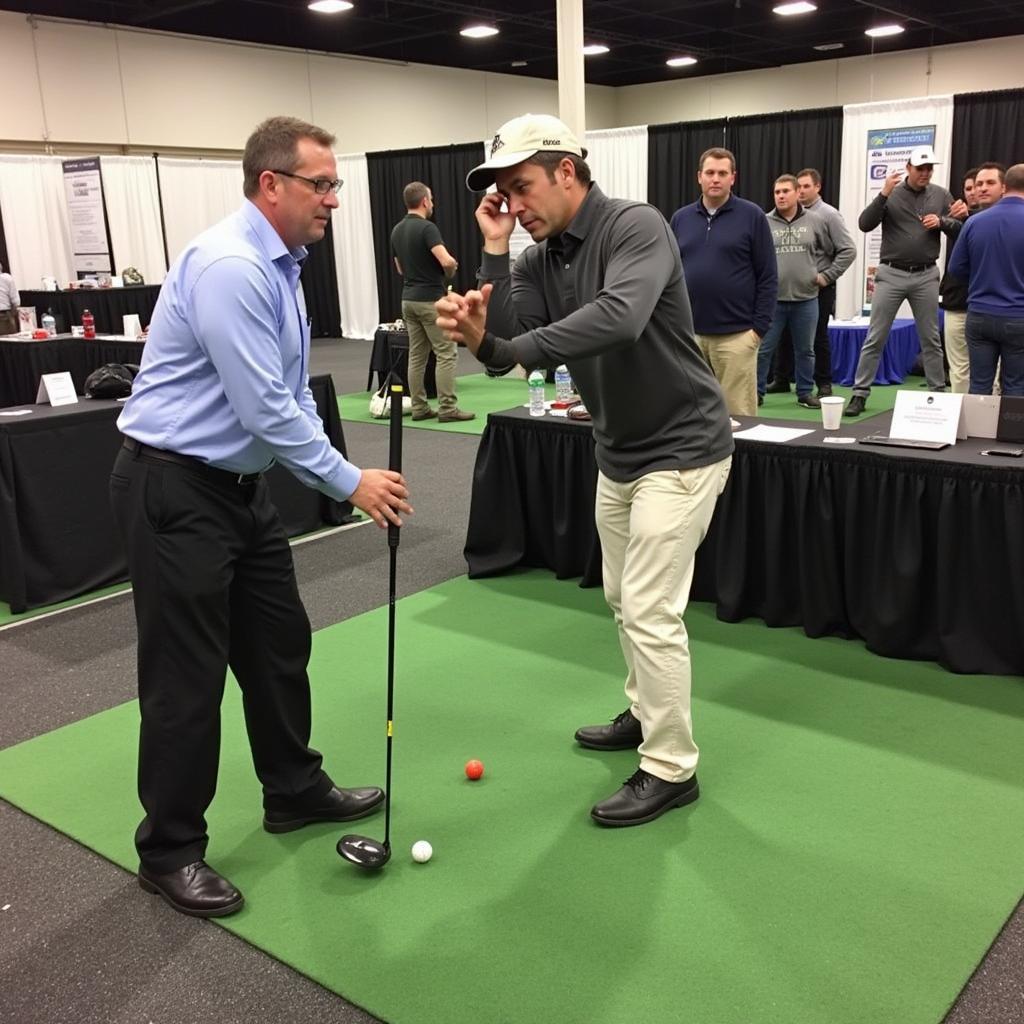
474,769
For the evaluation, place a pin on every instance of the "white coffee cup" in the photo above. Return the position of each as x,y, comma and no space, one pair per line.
832,411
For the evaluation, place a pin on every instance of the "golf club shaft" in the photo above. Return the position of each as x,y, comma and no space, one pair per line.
395,463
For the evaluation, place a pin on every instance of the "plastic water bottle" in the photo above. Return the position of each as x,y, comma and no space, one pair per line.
49,323
536,383
563,384
88,324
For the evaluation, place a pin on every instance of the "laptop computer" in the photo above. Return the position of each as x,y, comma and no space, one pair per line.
901,442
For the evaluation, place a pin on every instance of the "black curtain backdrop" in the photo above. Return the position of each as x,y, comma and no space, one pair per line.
988,127
444,169
672,154
320,287
768,145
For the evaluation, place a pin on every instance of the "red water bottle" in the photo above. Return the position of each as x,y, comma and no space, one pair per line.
88,324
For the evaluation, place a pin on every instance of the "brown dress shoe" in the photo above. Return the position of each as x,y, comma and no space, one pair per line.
335,805
427,414
196,890
455,416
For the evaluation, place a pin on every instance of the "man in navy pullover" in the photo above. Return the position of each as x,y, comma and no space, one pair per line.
730,270
989,255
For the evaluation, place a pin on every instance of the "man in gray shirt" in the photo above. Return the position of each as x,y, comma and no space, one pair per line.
603,292
911,214
9,302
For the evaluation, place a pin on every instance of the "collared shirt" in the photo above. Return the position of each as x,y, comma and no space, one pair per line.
224,374
607,298
9,297
904,238
989,255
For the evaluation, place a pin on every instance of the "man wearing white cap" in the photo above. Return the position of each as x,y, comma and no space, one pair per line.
911,214
603,292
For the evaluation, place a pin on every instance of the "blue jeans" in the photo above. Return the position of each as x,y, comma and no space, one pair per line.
989,339
801,318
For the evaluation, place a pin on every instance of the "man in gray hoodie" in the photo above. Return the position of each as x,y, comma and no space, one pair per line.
801,238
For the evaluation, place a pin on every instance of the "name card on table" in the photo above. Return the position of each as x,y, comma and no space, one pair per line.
57,389
927,416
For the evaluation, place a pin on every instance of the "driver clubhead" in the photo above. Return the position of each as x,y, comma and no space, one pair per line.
364,852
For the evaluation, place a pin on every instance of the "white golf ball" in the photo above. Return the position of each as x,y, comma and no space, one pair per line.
422,851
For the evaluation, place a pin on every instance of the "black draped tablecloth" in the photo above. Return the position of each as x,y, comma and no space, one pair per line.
920,554
23,362
57,534
107,305
391,350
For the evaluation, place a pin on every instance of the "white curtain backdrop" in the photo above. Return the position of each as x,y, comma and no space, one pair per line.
618,161
35,219
354,259
133,212
196,194
858,120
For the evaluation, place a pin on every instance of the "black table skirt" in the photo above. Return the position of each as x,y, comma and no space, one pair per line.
57,535
22,363
920,555
107,305
391,350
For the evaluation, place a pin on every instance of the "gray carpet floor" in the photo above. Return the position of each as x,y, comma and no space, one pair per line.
80,942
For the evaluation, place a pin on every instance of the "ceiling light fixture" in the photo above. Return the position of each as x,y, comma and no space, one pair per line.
593,49
479,31
330,6
829,46
883,30
802,7
681,62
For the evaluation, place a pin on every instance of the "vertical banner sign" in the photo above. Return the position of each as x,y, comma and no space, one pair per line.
83,190
888,151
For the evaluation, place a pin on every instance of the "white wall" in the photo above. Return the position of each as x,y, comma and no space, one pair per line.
114,87
962,67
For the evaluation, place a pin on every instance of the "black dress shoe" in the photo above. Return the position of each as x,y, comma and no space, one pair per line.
335,805
644,797
622,733
778,387
824,390
856,406
195,889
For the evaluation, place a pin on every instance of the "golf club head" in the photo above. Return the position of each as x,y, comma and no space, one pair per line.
364,852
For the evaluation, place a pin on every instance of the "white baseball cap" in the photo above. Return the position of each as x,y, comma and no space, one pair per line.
519,139
922,155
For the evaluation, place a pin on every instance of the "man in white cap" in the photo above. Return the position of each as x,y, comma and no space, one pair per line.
603,292
911,214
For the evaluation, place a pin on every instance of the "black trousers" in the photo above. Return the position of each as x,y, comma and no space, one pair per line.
822,348
214,586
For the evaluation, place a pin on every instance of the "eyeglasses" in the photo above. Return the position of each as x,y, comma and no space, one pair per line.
321,186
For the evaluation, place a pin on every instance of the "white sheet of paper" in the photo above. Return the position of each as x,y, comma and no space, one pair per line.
927,416
777,435
57,389
15,412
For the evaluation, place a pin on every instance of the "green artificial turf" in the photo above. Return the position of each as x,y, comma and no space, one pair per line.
881,399
855,849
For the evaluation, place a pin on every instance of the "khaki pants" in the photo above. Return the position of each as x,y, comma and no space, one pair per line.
650,530
956,351
733,360
424,334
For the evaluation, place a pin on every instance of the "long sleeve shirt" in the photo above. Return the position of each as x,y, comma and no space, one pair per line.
224,375
904,238
607,298
9,297
989,255
798,247
729,261
838,252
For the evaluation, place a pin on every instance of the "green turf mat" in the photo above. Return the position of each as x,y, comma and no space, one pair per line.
855,849
476,393
7,616
881,399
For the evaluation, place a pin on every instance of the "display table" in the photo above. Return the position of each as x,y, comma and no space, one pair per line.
23,361
57,534
392,348
898,357
107,305
921,554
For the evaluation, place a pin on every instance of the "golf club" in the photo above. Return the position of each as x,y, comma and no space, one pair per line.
363,851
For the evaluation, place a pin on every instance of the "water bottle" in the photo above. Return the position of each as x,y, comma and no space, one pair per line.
88,324
563,384
49,323
536,383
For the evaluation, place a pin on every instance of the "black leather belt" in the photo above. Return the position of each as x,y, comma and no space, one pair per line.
909,268
221,476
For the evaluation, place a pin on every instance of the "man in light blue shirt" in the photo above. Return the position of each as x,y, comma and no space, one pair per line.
223,393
